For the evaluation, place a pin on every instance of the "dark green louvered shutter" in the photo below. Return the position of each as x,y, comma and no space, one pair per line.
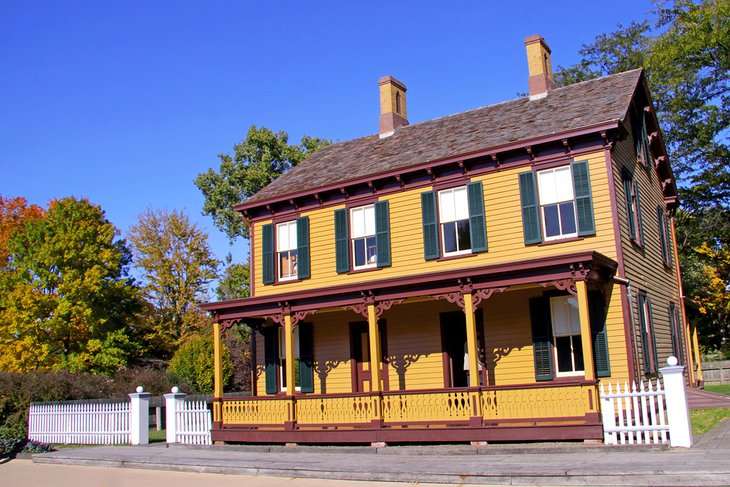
271,357
541,338
267,253
382,233
645,141
628,191
303,270
477,225
648,340
679,333
342,250
653,334
598,333
583,199
530,211
668,233
430,226
662,234
640,230
306,357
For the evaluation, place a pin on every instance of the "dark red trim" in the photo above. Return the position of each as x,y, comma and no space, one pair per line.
450,182
454,257
358,201
559,240
285,217
251,262
625,304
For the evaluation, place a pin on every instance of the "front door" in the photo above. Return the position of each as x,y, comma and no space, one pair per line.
360,353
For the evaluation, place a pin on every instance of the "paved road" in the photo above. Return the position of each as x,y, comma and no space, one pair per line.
559,464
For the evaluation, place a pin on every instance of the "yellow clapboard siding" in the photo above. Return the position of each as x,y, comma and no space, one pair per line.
504,233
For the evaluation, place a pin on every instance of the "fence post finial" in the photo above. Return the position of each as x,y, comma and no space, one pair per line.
172,399
139,421
680,429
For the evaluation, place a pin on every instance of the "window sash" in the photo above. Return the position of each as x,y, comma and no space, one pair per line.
453,205
567,344
362,221
286,236
557,203
282,359
555,185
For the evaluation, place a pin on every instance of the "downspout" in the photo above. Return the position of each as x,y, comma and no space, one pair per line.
627,282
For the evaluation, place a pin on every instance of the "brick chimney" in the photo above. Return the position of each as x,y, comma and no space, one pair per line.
540,66
392,105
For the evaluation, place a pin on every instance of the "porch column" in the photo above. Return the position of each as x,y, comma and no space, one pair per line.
585,329
698,358
374,338
289,344
471,340
217,373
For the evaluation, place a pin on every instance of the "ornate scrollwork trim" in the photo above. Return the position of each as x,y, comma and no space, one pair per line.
484,294
456,298
562,285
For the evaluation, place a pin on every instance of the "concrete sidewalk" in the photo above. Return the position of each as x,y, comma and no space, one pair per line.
557,464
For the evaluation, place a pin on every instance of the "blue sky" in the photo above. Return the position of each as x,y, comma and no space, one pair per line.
126,102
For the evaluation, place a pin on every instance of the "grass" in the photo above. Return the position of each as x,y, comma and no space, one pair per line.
721,389
157,436
704,419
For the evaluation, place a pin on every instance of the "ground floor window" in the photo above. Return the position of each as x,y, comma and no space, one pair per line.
567,344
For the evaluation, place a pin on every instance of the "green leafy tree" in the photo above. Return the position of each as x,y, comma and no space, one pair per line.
176,266
257,160
193,363
63,288
234,282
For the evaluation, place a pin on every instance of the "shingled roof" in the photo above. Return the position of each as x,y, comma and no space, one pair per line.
563,110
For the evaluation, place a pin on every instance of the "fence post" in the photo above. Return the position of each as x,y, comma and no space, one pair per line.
171,401
680,430
139,421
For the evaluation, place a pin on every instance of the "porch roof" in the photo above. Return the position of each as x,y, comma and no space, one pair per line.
578,266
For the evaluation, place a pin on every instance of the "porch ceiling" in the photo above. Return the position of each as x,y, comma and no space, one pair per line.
591,266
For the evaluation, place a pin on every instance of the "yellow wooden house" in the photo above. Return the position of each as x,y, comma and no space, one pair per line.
470,278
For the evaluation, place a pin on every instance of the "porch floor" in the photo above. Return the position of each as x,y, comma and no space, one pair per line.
701,399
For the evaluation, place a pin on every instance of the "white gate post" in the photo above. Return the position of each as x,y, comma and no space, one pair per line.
171,402
139,422
680,429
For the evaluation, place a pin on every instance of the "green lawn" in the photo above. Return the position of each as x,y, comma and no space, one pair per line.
704,419
722,389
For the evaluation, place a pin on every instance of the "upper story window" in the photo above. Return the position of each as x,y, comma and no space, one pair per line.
454,221
633,208
286,250
556,203
362,237
665,236
567,344
364,242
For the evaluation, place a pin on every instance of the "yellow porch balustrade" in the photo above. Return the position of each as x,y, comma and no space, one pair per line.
338,410
427,407
257,411
540,403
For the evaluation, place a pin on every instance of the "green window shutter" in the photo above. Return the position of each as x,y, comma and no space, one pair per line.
680,334
303,270
645,142
673,330
644,335
477,225
306,357
628,191
382,234
597,309
668,233
662,234
640,230
583,199
530,211
271,357
541,338
653,335
342,244
430,226
267,254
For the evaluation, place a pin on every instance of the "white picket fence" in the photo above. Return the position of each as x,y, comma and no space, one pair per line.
634,416
79,423
192,423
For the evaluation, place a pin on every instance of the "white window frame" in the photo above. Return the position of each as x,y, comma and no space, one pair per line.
286,242
282,356
573,326
453,215
556,195
365,231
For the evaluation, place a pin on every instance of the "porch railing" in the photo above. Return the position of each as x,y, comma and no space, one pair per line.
450,406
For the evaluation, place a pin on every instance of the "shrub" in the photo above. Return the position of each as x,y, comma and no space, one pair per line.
193,363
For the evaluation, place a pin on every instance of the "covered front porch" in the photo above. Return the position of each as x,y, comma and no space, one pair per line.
392,363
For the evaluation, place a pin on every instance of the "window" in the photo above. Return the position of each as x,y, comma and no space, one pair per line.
454,220
675,322
362,236
567,345
643,152
282,359
286,250
556,203
648,341
664,236
633,208
364,242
